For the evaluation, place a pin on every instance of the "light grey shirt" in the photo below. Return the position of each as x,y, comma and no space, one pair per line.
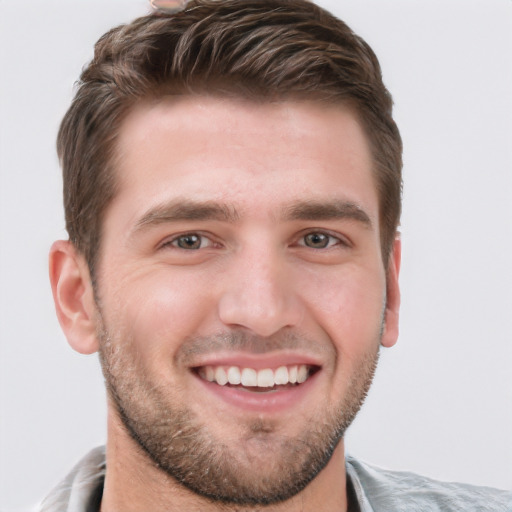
375,489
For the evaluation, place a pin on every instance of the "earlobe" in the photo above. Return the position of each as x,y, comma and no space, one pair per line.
73,296
390,334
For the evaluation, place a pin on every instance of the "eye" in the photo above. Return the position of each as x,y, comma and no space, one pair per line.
319,240
189,241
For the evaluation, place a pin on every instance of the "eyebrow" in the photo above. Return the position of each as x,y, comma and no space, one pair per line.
188,210
327,210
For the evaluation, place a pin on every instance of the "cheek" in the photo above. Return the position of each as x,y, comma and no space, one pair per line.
347,304
156,310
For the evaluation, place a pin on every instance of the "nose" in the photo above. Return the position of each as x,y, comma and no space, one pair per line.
259,295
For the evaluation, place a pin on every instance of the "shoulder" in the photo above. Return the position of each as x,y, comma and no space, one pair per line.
81,487
402,491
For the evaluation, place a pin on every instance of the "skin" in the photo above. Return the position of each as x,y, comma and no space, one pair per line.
254,276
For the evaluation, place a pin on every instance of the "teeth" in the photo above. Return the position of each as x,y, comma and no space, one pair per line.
210,374
302,374
281,375
292,374
249,377
234,376
266,378
221,376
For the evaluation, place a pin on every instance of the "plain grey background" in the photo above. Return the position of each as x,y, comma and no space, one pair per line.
441,404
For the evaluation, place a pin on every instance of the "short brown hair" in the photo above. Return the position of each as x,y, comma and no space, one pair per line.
255,49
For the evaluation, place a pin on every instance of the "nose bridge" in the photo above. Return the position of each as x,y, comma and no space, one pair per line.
259,294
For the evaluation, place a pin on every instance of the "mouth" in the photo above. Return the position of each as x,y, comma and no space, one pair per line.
255,380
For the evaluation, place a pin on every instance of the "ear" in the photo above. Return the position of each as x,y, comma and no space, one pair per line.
73,296
390,334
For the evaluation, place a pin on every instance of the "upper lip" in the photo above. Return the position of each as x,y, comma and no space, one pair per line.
256,361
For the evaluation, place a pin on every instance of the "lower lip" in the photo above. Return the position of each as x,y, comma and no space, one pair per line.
261,401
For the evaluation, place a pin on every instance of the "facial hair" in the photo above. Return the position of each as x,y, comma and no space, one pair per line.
259,465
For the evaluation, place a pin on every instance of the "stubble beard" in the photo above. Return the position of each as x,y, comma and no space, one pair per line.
259,467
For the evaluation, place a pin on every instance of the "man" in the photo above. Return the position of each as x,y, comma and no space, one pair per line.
232,179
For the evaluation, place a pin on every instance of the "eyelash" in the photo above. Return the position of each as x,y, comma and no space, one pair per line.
332,241
175,240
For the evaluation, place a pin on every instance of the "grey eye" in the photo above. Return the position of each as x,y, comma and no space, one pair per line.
317,240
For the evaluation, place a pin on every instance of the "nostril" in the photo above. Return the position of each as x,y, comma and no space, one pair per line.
262,314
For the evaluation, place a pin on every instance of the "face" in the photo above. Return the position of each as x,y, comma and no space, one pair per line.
241,293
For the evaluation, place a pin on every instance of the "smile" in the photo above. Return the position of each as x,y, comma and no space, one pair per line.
256,379
264,384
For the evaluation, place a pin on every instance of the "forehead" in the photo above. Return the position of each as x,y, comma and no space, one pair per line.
248,154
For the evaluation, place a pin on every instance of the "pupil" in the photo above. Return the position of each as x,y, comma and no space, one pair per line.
189,242
317,240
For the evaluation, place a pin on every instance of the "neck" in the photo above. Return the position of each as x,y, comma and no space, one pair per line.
134,483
